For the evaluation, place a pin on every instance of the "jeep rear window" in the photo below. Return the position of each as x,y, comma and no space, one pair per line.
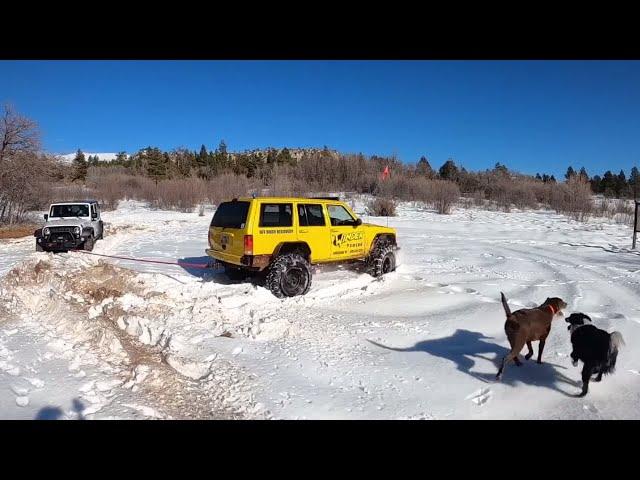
276,215
230,215
69,211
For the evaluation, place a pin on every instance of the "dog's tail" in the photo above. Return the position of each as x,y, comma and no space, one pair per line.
507,310
616,341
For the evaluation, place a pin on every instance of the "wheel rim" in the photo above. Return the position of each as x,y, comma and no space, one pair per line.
293,281
387,264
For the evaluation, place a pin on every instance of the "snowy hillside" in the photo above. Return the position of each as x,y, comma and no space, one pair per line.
87,337
104,157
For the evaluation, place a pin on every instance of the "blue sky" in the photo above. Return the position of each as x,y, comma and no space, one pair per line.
533,116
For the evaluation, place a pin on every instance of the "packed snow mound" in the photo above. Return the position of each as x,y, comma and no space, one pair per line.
129,323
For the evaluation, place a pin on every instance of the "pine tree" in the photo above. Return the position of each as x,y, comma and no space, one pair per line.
284,157
621,184
570,173
634,181
221,157
596,184
538,177
583,175
552,179
449,170
501,169
608,184
201,159
80,167
157,164
272,156
423,168
222,148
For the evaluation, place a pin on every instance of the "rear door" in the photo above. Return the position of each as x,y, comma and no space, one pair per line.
347,238
275,225
226,234
312,229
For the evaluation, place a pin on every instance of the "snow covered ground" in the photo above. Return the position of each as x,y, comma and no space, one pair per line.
87,337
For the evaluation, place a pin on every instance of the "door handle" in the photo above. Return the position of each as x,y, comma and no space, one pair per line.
303,231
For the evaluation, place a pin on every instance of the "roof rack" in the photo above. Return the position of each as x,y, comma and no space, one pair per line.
325,198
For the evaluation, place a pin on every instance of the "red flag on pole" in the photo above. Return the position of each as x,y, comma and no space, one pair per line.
385,174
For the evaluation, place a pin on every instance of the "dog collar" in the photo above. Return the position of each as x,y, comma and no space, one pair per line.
553,310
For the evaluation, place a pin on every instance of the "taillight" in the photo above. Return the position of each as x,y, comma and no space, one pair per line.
248,244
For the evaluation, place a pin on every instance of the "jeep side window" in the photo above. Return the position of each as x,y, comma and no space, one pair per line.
276,215
310,215
339,215
93,210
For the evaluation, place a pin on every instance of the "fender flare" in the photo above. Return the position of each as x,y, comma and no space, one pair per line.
287,245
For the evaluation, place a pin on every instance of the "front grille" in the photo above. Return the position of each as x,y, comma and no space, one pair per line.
59,230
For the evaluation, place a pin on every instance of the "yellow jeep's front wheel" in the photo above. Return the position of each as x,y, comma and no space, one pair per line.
382,259
289,276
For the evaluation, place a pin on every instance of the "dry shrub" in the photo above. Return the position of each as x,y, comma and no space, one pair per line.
619,210
507,192
72,192
573,199
381,207
182,194
227,186
443,195
478,198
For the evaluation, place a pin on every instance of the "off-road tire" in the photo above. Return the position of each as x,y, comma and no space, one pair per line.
39,247
88,244
381,260
235,274
289,276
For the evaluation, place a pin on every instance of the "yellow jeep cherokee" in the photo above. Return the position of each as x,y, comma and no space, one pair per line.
284,236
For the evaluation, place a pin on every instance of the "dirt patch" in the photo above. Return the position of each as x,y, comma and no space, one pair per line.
104,281
17,231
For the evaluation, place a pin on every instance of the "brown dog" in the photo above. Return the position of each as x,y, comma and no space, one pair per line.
528,325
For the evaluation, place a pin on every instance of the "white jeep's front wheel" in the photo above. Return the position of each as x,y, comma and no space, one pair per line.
88,244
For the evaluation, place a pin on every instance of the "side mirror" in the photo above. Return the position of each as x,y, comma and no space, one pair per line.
358,222
94,216
46,216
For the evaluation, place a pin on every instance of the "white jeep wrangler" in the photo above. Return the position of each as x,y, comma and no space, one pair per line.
70,226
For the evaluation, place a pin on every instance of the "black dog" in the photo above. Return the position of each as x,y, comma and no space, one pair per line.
597,349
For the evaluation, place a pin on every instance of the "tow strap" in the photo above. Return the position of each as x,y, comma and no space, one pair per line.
203,266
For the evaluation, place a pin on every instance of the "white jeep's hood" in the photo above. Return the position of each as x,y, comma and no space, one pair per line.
67,222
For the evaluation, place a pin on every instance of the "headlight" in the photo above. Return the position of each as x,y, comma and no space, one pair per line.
76,230
45,231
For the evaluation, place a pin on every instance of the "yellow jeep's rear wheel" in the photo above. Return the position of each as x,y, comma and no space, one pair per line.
289,276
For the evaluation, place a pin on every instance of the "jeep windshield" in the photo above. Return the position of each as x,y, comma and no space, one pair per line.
59,211
231,215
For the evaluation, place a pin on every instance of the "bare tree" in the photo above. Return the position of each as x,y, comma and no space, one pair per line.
18,134
22,169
